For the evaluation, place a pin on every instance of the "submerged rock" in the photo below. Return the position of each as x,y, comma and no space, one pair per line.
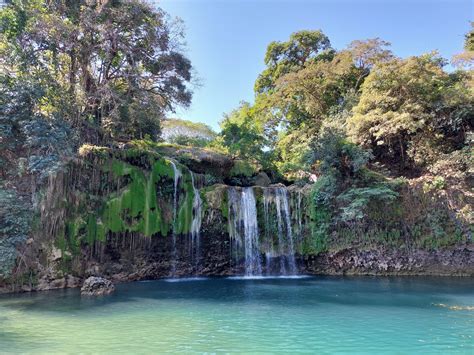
97,286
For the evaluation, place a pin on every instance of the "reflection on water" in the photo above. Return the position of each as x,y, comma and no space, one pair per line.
315,314
290,277
186,279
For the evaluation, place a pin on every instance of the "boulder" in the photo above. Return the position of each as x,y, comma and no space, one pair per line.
97,286
262,180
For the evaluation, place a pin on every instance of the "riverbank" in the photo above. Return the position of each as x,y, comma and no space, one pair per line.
349,262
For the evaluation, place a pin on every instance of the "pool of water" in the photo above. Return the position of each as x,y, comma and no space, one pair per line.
312,315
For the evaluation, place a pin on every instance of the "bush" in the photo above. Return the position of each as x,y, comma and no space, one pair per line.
333,154
356,200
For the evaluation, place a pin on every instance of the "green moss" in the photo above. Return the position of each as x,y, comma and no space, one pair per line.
185,212
320,223
141,203
135,209
72,243
320,216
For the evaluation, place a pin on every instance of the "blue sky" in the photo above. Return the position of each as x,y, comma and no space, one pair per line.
226,39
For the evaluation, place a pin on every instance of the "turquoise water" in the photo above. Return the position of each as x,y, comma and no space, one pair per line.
312,315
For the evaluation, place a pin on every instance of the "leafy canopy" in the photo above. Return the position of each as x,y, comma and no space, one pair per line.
116,64
403,100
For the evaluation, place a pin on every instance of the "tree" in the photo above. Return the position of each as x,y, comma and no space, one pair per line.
366,54
116,63
408,102
321,90
309,94
465,60
284,57
334,154
241,135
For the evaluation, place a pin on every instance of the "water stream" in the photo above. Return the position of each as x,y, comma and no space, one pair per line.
247,245
177,177
288,246
284,248
245,232
244,227
196,225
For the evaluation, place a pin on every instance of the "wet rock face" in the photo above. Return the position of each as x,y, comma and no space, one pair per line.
97,286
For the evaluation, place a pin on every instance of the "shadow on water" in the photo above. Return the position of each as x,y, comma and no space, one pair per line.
420,292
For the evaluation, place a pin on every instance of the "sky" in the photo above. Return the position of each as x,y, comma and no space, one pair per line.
226,39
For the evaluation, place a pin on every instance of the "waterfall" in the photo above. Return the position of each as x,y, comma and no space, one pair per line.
269,253
284,246
243,227
253,264
196,224
177,176
282,197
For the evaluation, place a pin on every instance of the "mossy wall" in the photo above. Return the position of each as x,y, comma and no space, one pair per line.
135,197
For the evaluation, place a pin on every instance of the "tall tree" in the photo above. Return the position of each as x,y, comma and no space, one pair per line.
284,57
408,103
115,63
241,134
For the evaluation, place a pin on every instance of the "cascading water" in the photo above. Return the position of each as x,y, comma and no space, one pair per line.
281,243
269,253
196,224
177,176
253,264
243,227
282,195
284,248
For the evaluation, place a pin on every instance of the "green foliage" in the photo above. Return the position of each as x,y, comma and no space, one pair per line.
408,102
240,133
305,84
115,65
189,141
284,57
324,190
320,215
469,39
438,183
15,225
356,201
406,112
335,155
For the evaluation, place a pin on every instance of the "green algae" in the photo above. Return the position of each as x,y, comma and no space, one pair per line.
135,208
185,211
138,200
